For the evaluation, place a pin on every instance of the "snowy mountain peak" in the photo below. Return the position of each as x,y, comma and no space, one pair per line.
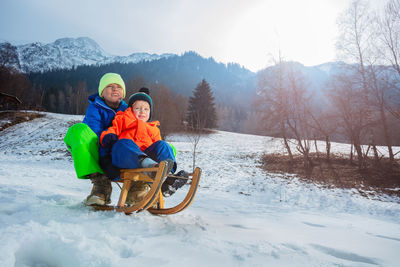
79,44
66,53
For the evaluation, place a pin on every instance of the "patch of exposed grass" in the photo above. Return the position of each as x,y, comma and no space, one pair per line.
10,118
339,172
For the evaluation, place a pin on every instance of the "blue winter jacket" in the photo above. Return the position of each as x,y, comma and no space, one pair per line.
99,117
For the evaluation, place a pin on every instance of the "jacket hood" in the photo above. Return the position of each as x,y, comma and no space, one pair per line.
91,98
96,99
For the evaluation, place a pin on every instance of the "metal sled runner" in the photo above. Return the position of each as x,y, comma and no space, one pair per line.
153,200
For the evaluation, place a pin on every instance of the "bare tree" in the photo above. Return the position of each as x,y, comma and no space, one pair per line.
133,85
181,103
273,102
9,56
166,109
323,123
79,98
68,99
299,113
389,32
379,88
286,103
195,136
346,96
355,45
195,139
14,83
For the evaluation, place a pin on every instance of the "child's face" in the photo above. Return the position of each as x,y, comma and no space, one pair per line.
113,94
141,109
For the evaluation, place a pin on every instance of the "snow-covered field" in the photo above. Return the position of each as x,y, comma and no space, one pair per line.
241,216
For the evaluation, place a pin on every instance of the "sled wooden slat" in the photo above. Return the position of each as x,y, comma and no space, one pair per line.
188,199
154,196
124,192
129,175
155,186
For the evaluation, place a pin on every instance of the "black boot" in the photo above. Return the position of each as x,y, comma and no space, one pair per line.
172,184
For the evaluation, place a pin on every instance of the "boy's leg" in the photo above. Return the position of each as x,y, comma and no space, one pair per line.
126,154
137,192
111,171
160,151
82,142
101,191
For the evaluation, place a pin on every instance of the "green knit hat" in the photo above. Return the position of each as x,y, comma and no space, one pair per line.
110,78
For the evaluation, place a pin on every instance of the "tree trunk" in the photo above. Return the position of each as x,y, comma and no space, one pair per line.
360,156
288,149
375,150
328,148
308,163
351,153
388,139
283,131
316,147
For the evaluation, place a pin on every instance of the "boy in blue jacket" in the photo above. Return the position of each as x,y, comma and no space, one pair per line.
82,139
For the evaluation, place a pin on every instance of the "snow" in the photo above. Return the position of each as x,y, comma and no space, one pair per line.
241,216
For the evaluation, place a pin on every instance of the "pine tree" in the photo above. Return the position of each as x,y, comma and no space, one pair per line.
201,111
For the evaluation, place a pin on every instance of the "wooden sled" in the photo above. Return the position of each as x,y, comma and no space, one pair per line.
154,200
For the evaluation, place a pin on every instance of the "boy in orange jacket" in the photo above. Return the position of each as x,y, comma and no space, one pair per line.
136,143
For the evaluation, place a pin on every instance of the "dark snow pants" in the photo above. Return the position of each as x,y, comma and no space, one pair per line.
126,154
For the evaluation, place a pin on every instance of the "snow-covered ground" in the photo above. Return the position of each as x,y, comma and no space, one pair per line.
241,216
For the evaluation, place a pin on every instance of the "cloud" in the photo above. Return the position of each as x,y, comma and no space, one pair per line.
242,31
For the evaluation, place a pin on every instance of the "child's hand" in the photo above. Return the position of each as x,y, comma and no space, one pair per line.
109,140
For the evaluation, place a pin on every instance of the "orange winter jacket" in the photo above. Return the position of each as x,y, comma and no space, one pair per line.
127,126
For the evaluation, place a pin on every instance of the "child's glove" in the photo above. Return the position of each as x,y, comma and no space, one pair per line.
109,140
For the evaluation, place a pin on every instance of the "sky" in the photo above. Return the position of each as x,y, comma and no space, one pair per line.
247,32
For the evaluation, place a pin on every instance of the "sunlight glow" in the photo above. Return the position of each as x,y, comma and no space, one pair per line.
304,32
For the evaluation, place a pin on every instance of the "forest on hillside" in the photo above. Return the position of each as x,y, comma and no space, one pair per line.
171,80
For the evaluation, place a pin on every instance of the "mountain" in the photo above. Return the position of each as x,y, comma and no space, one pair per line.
70,60
181,73
317,80
315,77
64,53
